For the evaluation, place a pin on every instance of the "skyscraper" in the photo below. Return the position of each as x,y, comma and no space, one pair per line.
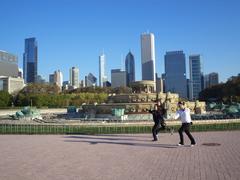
74,77
195,76
211,80
130,68
58,78
148,56
159,84
102,70
118,78
51,78
175,73
8,64
90,80
30,60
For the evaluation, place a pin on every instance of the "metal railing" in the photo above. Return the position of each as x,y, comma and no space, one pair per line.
106,129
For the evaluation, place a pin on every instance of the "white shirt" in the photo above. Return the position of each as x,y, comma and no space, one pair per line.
184,115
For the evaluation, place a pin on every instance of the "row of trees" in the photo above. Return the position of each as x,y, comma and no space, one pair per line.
50,96
226,92
59,100
108,90
43,95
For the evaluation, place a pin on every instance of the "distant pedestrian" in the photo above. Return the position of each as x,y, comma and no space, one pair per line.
184,114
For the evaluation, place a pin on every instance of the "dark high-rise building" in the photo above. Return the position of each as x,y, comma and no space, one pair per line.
30,60
159,84
188,88
118,78
213,79
90,80
195,76
175,73
130,68
202,81
51,78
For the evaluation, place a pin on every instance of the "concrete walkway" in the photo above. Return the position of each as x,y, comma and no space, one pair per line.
130,156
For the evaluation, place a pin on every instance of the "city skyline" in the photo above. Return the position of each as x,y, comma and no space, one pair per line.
80,35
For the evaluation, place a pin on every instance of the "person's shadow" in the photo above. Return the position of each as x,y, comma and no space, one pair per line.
120,140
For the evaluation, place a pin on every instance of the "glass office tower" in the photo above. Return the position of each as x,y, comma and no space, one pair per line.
30,60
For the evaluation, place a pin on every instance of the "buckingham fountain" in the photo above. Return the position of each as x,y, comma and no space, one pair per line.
132,106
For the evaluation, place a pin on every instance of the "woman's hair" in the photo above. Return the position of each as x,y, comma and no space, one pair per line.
181,103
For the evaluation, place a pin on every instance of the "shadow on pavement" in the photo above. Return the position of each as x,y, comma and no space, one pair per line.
118,138
95,142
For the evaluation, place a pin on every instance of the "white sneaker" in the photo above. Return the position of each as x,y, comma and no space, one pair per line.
180,144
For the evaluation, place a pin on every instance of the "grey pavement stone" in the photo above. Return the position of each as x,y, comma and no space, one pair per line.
129,156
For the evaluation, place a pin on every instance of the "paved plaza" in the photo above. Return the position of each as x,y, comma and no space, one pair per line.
129,156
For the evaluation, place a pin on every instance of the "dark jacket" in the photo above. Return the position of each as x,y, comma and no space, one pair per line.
157,115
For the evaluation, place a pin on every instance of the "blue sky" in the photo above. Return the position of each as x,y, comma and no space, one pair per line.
74,32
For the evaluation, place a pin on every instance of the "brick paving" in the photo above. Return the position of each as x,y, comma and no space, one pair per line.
110,157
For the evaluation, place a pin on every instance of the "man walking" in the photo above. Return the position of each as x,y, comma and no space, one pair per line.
185,117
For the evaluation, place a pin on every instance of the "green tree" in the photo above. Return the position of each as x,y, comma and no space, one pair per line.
122,90
40,89
227,92
5,99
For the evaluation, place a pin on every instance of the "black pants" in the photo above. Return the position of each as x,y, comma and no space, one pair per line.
186,128
157,127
